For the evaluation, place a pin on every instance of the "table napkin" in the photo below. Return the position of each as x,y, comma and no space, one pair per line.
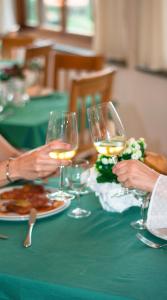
107,191
157,212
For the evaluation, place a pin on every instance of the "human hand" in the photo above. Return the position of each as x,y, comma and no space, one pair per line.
37,163
135,174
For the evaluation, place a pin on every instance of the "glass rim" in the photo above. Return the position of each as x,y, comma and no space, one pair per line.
61,113
100,105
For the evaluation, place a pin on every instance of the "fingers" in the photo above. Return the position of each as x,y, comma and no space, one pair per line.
57,144
119,166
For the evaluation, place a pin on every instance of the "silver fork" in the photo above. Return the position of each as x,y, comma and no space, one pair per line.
3,237
149,243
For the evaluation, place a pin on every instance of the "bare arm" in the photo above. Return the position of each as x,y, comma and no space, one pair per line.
31,165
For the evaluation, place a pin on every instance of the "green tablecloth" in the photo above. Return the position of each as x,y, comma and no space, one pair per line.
94,258
26,126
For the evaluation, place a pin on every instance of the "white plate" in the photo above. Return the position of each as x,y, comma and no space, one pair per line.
159,232
16,217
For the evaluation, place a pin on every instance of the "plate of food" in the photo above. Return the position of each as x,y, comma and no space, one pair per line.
16,202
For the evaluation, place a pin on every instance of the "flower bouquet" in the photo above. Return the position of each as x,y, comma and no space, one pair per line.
14,78
104,182
14,71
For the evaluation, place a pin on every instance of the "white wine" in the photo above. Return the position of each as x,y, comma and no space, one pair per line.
112,147
62,154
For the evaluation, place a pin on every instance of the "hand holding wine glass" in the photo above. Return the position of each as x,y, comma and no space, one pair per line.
63,127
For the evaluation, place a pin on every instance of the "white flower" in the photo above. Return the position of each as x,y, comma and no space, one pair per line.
131,141
111,160
104,161
136,146
137,154
127,150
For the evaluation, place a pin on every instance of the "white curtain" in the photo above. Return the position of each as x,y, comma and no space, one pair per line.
152,34
110,28
134,30
7,16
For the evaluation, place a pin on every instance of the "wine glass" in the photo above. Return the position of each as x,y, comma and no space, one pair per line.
107,131
78,173
62,126
144,197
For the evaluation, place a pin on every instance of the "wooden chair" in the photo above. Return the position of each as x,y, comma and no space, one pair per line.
67,62
99,83
10,43
42,52
156,161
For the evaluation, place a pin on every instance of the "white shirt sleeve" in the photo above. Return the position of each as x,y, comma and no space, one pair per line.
157,212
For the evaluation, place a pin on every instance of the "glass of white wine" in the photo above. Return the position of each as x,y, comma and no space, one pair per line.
62,126
107,131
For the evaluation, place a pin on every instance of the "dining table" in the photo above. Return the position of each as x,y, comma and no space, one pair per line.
98,257
25,126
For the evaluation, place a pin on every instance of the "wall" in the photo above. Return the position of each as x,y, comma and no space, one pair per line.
143,106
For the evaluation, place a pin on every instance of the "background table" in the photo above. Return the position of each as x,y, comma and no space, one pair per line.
94,258
26,126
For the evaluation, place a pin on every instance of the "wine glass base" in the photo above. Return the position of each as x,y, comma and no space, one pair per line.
139,224
78,213
83,192
60,196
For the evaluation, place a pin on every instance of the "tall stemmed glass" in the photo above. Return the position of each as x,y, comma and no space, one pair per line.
78,174
62,126
145,198
107,130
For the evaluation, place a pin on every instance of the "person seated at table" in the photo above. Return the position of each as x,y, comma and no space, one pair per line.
15,165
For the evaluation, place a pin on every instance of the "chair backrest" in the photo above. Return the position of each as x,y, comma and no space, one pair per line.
39,52
69,62
12,42
98,83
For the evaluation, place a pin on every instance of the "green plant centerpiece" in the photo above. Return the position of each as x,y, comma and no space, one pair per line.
134,149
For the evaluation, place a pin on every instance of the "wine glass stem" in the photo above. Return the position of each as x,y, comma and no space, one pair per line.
78,199
61,177
143,209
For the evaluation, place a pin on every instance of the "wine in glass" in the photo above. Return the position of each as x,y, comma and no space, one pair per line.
62,126
78,174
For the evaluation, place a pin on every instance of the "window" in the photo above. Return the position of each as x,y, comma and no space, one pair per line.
32,13
79,17
70,16
52,13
